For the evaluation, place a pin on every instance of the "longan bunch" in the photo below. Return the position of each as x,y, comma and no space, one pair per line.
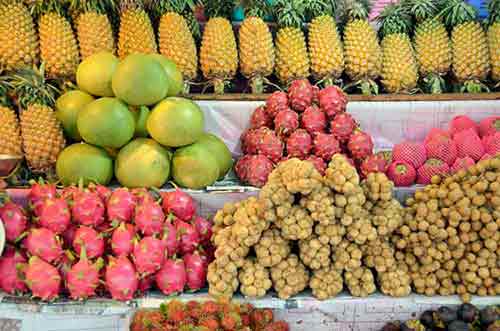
300,176
360,282
331,233
387,217
289,277
326,283
320,204
249,224
272,248
254,279
350,207
230,253
361,230
379,254
222,282
341,176
224,217
395,283
314,253
297,225
378,187
347,256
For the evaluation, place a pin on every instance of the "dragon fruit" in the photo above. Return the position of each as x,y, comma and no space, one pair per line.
325,146
313,120
14,220
189,237
141,194
250,140
462,163
42,279
342,126
402,173
88,208
430,168
276,102
172,277
43,243
260,118
491,143
196,270
489,125
270,145
299,144
121,278
146,283
180,204
241,167
373,163
318,162
170,239
469,144
92,241
55,215
63,266
69,235
10,262
360,145
300,94
332,100
208,253
461,123
121,205
122,239
38,193
148,255
254,169
68,193
204,229
149,217
103,191
83,278
441,147
410,152
285,122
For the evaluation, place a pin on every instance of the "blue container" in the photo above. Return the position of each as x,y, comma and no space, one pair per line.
238,13
481,6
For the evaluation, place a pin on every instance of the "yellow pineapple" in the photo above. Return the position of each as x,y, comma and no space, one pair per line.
363,55
218,53
136,33
10,134
18,38
399,66
494,38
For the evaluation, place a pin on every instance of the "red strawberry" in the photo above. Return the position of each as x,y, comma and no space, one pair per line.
276,102
442,147
260,118
332,100
342,126
313,120
469,144
491,143
300,94
402,173
285,122
462,163
431,168
325,146
489,125
360,145
461,123
373,163
318,162
299,144
270,145
412,153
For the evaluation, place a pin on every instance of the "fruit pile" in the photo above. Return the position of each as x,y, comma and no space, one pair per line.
206,316
305,123
445,152
94,242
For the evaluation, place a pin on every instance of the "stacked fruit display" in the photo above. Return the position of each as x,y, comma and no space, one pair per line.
305,123
94,242
445,152
207,316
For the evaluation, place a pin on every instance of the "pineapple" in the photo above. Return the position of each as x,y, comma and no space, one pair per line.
363,55
432,44
494,38
94,29
399,66
10,133
18,38
471,58
292,58
136,33
257,55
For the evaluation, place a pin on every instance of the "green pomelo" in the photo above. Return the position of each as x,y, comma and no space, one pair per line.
217,148
95,72
106,122
194,167
139,80
176,82
176,122
141,115
142,163
84,162
68,106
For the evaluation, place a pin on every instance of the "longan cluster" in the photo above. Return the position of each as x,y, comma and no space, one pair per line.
341,176
254,279
362,230
320,204
297,225
248,225
272,248
222,282
379,255
331,233
225,216
347,256
360,282
387,216
326,283
314,253
395,283
378,187
289,277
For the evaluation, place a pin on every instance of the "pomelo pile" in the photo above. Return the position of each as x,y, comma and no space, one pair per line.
445,152
123,137
306,123
91,242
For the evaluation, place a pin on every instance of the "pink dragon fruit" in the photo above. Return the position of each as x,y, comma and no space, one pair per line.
142,195
441,147
469,144
38,193
208,253
148,255
69,235
299,144
55,215
121,205
14,220
491,143
68,193
270,145
42,279
318,162
146,283
92,241
373,163
149,217
461,123
63,266
121,278
189,237
316,90
489,125
82,279
88,208
204,229
170,239
313,120
43,243
241,167
260,118
325,146
254,169
360,145
103,191
300,94
332,100
285,122
122,239
276,102
462,163
196,270
342,126
10,262
250,140
172,277
179,203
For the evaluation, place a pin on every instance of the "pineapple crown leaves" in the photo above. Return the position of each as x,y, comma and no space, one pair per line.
159,7
257,8
289,13
394,19
316,8
423,9
41,7
494,11
99,6
458,12
354,10
218,8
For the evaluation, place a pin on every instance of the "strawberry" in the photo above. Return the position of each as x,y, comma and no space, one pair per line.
461,123
402,173
430,168
469,144
441,147
412,153
489,125
462,163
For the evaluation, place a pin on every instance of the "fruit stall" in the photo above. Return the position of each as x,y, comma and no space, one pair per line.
257,165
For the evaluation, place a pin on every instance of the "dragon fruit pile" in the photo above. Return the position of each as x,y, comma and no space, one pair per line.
90,242
305,123
444,152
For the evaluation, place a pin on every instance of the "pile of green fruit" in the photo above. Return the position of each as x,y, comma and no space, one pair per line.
127,122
